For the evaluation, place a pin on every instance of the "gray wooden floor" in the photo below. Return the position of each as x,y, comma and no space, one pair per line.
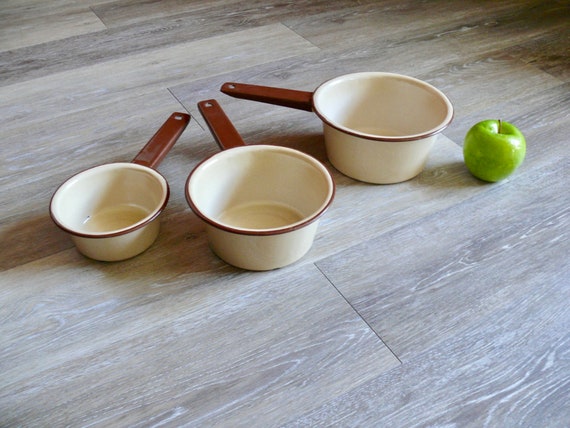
441,301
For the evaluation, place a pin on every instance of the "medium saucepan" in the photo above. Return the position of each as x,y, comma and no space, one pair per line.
111,211
261,204
378,127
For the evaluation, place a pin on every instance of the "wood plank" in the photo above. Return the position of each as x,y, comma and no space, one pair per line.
508,369
549,52
167,349
108,81
471,26
443,294
48,22
129,12
197,21
458,265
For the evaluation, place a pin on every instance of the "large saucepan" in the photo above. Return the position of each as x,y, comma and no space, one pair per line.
261,203
378,127
111,211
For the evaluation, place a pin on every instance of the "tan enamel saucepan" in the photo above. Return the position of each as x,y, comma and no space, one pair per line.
378,127
261,204
111,211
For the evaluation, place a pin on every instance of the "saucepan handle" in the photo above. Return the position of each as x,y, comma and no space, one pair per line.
220,125
163,140
300,100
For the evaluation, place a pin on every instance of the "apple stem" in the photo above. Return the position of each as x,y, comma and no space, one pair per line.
500,125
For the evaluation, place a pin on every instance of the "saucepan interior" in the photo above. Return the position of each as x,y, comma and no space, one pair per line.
260,190
109,200
382,106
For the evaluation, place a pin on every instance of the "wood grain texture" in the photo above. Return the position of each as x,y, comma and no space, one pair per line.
452,262
497,372
49,21
440,301
150,339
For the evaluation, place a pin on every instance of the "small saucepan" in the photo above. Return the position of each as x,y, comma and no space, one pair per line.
261,203
378,127
111,211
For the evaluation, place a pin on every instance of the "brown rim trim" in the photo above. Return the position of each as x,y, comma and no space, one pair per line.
254,232
383,138
109,234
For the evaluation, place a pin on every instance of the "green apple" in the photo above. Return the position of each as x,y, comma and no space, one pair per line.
493,149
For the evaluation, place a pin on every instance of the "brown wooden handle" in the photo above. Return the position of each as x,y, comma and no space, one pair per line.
300,100
220,125
162,141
